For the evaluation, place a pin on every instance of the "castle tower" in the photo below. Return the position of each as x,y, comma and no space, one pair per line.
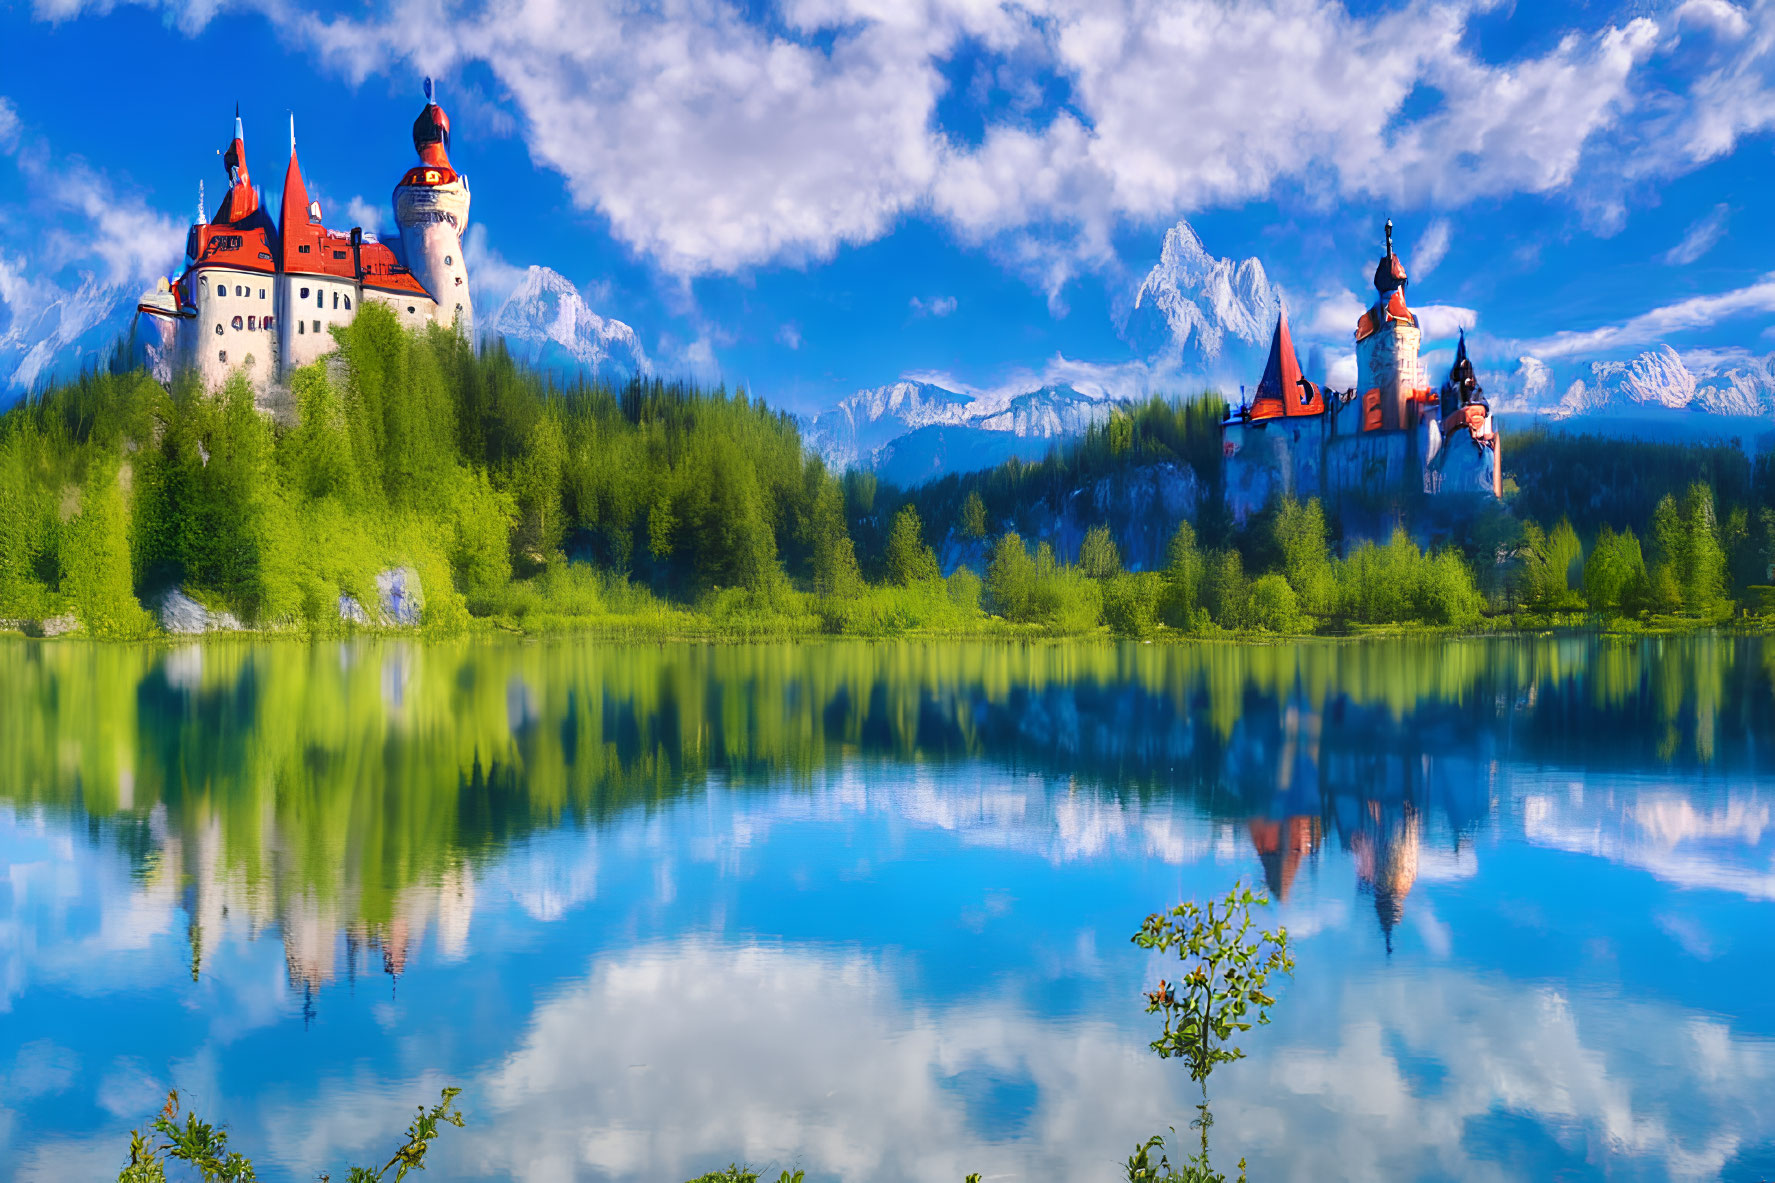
431,208
1389,376
1281,392
319,285
231,278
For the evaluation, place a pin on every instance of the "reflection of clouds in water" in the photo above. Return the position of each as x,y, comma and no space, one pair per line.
1719,845
668,1060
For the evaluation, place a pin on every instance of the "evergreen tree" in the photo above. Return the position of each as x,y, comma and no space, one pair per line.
973,516
1010,578
909,560
1098,556
1184,571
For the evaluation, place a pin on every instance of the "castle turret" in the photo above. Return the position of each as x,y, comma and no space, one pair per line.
230,279
431,208
1389,377
1282,392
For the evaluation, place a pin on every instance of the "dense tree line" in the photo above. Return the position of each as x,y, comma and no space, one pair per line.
676,509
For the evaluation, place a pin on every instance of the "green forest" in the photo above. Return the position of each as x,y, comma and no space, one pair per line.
664,510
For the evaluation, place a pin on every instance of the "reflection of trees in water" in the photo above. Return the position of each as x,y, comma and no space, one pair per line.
348,792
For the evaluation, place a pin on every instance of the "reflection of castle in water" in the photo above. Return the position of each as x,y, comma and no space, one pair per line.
247,798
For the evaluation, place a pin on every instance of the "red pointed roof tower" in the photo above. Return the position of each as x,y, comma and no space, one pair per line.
1282,392
241,235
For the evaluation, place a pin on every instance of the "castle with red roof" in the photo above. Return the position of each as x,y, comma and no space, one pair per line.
259,296
1392,433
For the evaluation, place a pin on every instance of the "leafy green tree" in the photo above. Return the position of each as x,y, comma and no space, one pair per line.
909,561
1274,607
1221,993
1131,602
96,569
1098,556
1615,573
1010,577
1225,591
834,556
973,516
1185,571
1300,535
204,1147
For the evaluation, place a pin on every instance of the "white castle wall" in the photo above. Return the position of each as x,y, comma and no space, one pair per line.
312,305
412,311
433,219
234,328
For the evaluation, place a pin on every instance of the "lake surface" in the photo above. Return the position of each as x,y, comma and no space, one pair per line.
865,909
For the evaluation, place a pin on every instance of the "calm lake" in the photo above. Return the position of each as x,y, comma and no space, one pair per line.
865,909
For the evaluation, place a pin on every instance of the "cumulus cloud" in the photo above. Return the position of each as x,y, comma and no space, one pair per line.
1653,326
1431,249
789,335
713,142
1440,321
935,306
1701,237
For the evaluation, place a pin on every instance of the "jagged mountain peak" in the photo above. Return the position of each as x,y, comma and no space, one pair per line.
1193,307
547,322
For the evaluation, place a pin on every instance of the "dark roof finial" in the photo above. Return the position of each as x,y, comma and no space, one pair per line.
428,90
1389,236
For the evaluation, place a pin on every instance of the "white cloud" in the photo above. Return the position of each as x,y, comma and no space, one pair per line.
1716,16
1431,249
377,218
1335,314
935,306
1661,322
1438,322
713,142
1701,236
790,335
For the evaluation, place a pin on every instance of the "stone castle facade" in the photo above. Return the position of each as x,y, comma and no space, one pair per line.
1391,435
260,297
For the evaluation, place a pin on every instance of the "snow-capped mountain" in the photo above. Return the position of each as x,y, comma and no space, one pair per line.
1732,383
546,323
1202,312
851,433
911,431
60,333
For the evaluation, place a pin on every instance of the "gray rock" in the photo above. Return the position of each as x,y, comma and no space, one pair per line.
56,626
403,601
351,611
179,613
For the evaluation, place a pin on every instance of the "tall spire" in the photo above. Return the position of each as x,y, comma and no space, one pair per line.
292,133
1389,273
203,211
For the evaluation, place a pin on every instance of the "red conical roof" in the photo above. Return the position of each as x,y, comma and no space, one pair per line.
1281,391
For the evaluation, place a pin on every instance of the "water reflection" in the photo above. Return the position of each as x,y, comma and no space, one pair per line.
864,907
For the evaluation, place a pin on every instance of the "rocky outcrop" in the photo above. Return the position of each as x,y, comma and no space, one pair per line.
1141,506
401,597
179,613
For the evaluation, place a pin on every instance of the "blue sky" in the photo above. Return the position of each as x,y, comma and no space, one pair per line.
814,196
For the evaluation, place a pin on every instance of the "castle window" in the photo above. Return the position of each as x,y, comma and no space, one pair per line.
267,322
348,303
253,324
302,328
261,293
218,328
459,281
239,290
335,299
305,293
447,260
410,308
320,298
338,254
303,249
236,322
222,356
317,326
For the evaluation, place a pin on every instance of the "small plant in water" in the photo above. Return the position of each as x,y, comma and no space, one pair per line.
204,1147
1221,993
